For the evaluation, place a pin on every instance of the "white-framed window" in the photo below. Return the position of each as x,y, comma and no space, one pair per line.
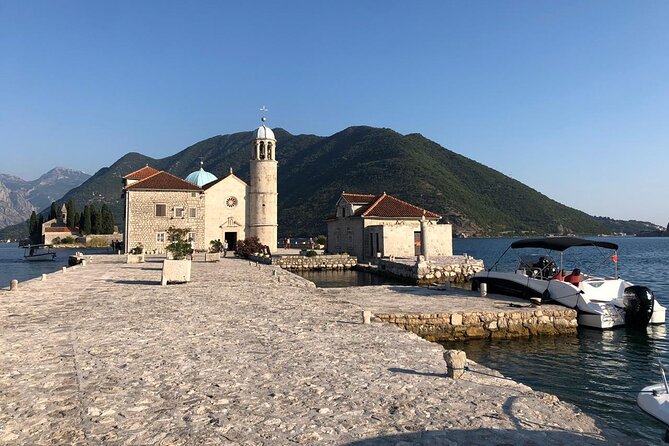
193,194
191,237
178,212
160,237
161,210
192,212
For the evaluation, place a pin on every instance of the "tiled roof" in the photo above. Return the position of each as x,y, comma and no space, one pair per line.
142,173
163,181
387,206
357,198
59,229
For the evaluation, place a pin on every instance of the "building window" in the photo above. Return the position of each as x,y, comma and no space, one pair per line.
160,237
193,212
178,212
193,194
161,210
191,237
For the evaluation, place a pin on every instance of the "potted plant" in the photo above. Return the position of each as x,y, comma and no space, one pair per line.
136,255
177,268
214,254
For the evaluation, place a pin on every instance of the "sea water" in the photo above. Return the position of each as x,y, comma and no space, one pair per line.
12,265
598,371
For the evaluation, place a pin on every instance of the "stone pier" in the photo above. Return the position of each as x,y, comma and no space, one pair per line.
243,355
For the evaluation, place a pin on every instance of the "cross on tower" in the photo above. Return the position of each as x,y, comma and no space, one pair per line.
263,110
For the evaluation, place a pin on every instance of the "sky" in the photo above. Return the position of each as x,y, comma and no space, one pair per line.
568,97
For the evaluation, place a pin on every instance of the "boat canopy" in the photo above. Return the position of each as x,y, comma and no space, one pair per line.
560,243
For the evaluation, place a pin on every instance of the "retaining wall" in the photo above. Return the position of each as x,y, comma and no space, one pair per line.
482,325
453,269
338,261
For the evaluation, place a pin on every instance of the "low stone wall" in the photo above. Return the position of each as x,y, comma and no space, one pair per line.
337,261
453,269
499,325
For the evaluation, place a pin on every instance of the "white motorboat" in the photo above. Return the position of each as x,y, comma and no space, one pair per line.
601,302
40,252
654,399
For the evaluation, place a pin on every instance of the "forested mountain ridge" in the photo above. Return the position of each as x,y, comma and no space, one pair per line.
314,170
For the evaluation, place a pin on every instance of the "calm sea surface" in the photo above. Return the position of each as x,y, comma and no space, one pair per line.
599,371
12,265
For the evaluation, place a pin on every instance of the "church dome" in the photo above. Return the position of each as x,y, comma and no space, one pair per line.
264,132
201,177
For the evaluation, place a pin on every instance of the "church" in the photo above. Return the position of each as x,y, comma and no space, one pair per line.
211,208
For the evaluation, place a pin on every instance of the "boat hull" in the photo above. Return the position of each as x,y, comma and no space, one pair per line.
655,402
40,257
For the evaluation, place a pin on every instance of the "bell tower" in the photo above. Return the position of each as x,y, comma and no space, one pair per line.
263,196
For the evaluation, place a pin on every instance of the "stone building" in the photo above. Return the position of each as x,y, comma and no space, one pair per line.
214,209
57,228
371,226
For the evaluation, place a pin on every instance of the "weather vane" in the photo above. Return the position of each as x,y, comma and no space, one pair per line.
263,110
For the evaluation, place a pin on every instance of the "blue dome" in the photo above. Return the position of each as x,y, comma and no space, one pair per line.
201,177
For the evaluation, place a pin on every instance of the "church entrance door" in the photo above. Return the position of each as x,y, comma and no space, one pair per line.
231,238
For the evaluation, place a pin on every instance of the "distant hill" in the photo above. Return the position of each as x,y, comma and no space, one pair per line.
314,170
628,226
18,197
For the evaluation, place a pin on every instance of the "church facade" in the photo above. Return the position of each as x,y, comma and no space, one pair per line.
211,208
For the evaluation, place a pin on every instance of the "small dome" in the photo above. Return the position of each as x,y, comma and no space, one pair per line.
264,132
201,177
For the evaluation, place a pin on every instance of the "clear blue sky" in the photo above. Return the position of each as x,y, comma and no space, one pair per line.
569,97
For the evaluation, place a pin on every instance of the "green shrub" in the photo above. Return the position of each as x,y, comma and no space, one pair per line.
67,240
311,253
56,241
216,246
137,249
321,239
179,247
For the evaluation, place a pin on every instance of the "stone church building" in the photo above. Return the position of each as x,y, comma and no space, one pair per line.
371,226
227,208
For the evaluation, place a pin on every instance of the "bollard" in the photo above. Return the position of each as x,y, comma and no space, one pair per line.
455,363
43,277
483,288
274,273
64,269
14,285
366,317
83,262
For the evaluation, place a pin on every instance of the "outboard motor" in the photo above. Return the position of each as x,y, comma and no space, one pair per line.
639,302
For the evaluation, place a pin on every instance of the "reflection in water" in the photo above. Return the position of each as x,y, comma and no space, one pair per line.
345,278
600,371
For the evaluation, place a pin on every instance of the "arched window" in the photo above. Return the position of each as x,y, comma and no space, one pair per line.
262,150
269,151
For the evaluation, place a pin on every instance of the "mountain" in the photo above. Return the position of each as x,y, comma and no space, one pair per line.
18,197
314,170
628,226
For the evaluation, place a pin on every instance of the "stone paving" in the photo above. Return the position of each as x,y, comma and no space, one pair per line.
242,355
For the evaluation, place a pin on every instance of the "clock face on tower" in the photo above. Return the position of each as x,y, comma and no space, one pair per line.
231,202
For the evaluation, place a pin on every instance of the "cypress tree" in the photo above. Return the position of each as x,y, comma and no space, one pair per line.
53,212
96,221
107,221
71,213
32,224
87,221
38,230
76,220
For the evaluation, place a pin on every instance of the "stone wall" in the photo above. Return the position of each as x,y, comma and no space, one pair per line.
452,269
339,261
143,226
499,325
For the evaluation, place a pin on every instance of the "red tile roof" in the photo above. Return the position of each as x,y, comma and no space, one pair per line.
357,198
59,229
142,173
163,181
387,206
